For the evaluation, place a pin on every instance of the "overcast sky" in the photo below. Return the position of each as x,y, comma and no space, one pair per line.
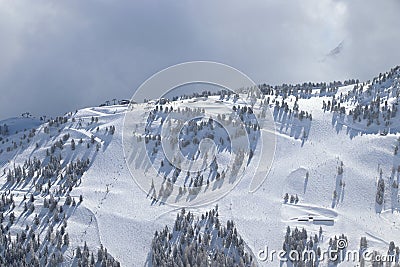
58,56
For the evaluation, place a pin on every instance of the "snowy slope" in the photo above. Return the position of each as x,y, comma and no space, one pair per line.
118,214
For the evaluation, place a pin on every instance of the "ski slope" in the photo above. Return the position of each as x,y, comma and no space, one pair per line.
118,214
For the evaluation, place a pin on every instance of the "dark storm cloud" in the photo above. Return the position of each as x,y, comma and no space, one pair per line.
60,56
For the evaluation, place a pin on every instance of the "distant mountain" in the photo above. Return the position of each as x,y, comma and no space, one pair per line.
71,196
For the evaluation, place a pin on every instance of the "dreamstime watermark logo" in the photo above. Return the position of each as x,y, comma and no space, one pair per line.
339,253
194,150
341,243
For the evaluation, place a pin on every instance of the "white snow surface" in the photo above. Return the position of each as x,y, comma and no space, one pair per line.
116,212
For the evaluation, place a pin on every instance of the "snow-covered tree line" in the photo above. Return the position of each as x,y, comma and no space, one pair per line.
294,112
4,130
200,241
186,133
45,176
83,257
375,102
304,90
305,249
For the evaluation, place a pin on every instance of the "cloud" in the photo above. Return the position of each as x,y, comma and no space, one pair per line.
60,56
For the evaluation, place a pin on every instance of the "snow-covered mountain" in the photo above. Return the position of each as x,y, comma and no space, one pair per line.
67,190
